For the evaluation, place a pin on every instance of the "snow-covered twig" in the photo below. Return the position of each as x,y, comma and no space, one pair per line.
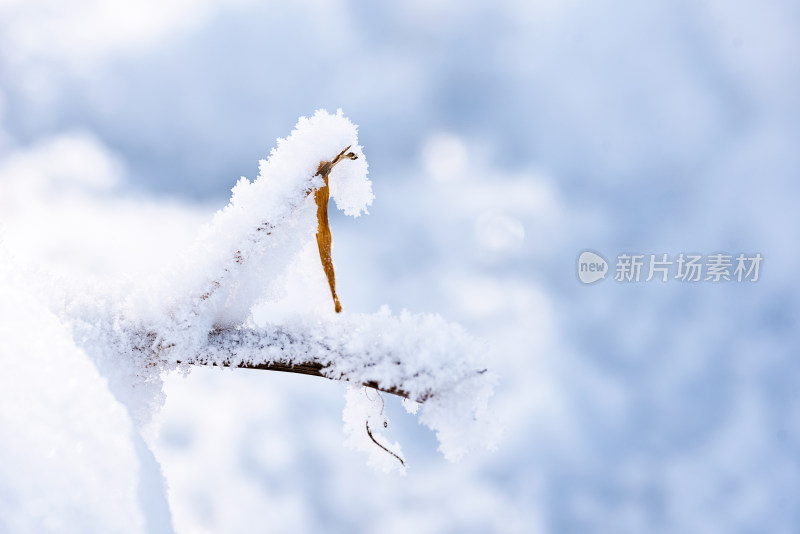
203,314
324,352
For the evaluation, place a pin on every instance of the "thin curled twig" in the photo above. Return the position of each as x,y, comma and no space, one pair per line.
383,402
369,433
385,423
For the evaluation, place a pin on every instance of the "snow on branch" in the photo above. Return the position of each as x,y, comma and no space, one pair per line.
202,313
388,353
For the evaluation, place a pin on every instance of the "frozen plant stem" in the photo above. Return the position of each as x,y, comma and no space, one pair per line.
277,349
245,349
204,310
321,196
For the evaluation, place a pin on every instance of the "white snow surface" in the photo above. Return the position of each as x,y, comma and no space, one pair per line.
72,461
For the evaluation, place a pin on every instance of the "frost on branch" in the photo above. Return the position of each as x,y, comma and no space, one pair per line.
202,311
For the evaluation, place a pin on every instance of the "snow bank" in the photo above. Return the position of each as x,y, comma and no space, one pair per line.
72,460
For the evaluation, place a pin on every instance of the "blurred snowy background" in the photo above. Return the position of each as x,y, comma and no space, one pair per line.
503,138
